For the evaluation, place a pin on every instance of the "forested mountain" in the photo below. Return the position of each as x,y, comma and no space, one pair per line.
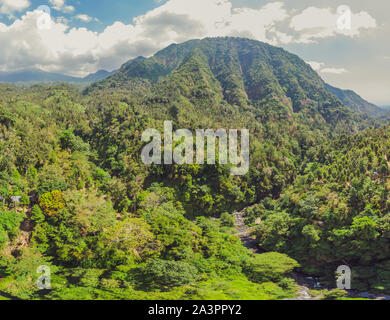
241,73
354,101
111,227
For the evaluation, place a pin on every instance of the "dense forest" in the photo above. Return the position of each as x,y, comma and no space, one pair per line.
110,227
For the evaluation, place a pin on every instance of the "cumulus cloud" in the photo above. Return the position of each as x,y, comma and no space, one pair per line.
84,17
334,70
60,5
9,6
315,23
320,68
78,51
316,66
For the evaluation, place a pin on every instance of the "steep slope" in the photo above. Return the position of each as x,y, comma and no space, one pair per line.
354,101
253,76
97,76
336,212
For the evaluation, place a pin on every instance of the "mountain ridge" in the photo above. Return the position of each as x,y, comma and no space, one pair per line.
351,99
167,59
248,74
37,75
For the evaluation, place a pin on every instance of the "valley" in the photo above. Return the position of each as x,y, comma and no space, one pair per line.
110,226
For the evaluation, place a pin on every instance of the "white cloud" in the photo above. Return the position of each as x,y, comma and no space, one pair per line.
84,17
60,5
334,70
180,20
9,6
320,68
316,66
79,51
314,23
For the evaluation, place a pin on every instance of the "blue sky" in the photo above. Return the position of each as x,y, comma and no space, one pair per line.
87,35
105,10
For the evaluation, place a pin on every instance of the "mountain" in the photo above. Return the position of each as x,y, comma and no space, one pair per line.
133,60
354,101
36,75
99,75
227,83
243,74
116,228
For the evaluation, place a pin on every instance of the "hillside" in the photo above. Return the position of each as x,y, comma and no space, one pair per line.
337,210
354,101
111,227
242,73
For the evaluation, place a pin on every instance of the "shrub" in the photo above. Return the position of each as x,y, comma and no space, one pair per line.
169,273
334,294
109,284
37,214
9,223
69,141
227,220
270,266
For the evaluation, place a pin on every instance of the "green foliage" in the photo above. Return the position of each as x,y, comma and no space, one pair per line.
227,220
270,266
169,273
117,229
127,241
9,224
69,141
335,294
37,214
336,211
51,203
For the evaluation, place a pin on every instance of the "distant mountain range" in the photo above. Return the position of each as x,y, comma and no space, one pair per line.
36,75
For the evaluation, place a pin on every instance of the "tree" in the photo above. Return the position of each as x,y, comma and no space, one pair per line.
51,203
227,220
126,242
270,266
169,273
37,214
